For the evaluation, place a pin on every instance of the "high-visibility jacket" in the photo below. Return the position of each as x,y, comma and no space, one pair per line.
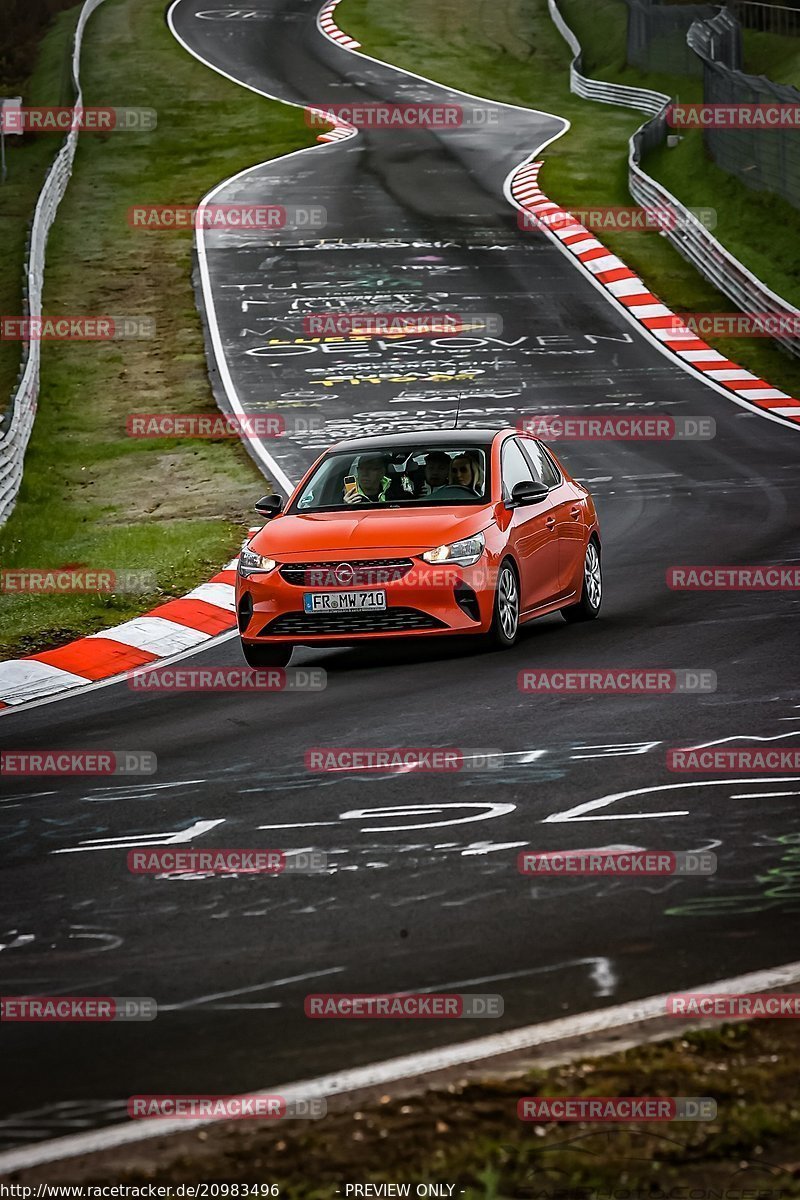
381,497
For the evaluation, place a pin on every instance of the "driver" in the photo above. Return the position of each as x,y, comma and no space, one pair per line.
371,481
437,471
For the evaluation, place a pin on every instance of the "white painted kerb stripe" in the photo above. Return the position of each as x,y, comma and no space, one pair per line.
609,263
627,287
156,635
698,356
409,1066
587,244
222,595
24,679
649,310
728,375
764,393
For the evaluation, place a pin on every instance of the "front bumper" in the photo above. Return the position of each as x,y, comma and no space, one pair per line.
425,600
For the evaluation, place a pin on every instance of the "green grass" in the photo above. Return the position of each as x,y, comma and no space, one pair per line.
90,494
748,221
769,54
514,53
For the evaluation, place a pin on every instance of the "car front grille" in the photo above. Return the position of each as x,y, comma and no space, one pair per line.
391,620
374,572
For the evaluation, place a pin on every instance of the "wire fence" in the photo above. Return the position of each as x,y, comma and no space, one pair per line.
17,421
768,18
766,160
657,36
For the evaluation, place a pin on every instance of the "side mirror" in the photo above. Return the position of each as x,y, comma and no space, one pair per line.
528,491
269,506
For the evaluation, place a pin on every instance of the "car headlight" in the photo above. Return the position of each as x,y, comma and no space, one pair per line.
249,561
462,554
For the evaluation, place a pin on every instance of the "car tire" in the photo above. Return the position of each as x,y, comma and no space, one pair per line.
588,607
275,655
504,629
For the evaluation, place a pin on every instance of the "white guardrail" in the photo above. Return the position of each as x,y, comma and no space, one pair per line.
689,236
17,422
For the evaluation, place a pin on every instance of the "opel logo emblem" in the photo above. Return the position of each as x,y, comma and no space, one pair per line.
344,574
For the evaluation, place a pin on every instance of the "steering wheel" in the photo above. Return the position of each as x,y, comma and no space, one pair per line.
447,488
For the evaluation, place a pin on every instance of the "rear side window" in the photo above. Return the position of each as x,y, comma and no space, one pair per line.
543,468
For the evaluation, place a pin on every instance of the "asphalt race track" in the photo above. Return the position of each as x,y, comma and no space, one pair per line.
422,891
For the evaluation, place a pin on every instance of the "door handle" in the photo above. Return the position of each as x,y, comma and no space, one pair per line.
550,522
575,512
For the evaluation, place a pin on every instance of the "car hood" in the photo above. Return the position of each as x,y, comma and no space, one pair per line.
292,538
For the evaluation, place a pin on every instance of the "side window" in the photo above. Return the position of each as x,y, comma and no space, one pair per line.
515,467
542,466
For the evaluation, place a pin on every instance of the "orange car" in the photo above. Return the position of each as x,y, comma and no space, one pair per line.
419,534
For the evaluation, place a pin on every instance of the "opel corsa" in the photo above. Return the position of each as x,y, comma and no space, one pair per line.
433,534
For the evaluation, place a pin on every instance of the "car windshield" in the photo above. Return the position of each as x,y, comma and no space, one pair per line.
397,477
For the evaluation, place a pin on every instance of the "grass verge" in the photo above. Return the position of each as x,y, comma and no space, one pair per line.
91,495
772,55
467,1136
514,53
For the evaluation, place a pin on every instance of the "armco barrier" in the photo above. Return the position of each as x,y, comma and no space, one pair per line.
17,422
597,89
689,236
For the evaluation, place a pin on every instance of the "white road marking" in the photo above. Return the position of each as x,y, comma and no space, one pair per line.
601,1022
489,847
143,839
601,972
748,737
238,1007
762,795
407,810
576,813
246,991
489,811
665,475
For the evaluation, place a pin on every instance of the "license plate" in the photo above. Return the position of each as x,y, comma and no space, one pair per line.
322,602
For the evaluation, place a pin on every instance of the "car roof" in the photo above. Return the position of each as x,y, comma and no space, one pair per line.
428,437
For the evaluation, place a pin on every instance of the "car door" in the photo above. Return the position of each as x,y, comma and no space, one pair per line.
532,532
568,512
